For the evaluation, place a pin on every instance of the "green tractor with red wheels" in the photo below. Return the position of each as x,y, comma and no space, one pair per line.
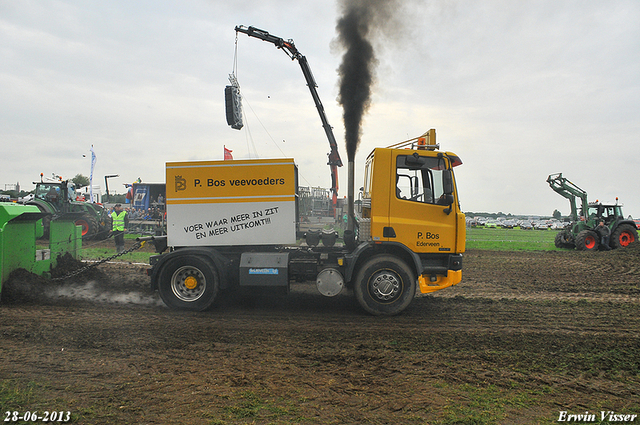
58,198
583,232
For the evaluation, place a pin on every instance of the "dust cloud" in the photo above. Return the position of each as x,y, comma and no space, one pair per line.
130,287
92,291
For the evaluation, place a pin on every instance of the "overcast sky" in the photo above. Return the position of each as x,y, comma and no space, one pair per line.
518,89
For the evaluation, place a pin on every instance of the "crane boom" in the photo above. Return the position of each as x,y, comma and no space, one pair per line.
290,49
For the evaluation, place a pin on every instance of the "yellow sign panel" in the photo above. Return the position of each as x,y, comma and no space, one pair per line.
230,181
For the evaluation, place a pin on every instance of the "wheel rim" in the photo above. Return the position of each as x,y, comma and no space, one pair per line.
590,242
385,286
188,283
85,226
626,238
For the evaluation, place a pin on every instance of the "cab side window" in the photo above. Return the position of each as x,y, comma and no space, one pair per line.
419,178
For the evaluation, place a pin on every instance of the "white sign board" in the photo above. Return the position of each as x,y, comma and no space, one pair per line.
247,202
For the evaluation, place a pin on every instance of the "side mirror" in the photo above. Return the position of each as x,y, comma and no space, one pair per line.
447,182
448,201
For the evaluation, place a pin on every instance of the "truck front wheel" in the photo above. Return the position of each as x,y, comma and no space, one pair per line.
385,285
188,283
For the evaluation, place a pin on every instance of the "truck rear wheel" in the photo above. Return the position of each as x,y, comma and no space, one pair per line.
385,285
624,235
188,283
587,240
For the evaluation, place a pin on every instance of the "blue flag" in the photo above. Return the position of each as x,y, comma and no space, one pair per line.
93,163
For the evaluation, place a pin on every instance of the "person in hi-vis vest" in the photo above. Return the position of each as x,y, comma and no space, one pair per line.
120,220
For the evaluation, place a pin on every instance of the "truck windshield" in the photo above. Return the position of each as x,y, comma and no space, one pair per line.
419,179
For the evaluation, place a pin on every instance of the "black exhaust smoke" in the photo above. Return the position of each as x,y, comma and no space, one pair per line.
356,69
356,27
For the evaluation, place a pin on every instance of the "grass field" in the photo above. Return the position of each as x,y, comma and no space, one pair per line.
511,239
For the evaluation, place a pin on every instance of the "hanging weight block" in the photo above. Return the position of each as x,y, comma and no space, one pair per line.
233,105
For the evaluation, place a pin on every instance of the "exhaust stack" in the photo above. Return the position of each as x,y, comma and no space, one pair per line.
349,233
351,214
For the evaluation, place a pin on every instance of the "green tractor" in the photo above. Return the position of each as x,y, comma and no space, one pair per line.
58,198
582,232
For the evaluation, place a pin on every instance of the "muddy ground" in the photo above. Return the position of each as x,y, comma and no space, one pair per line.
525,336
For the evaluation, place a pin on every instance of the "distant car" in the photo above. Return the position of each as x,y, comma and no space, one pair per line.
491,225
509,224
539,225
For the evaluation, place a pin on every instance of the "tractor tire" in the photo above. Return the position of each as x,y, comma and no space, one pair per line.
587,240
89,226
385,285
563,240
46,220
46,225
105,225
188,283
624,235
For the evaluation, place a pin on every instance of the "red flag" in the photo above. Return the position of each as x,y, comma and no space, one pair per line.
227,154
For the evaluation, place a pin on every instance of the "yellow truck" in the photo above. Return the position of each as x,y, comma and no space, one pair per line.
233,223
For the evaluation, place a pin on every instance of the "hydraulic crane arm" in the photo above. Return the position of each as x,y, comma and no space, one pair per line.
571,191
290,49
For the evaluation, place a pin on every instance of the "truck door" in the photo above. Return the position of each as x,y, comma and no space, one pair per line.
421,215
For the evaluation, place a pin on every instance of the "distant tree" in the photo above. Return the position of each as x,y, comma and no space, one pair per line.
80,181
557,215
115,198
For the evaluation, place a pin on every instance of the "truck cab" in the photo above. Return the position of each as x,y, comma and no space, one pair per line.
421,210
410,201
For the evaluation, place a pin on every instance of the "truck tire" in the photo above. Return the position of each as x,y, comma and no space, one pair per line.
385,285
587,240
188,283
624,235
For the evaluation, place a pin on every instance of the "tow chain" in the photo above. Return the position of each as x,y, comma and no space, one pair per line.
138,245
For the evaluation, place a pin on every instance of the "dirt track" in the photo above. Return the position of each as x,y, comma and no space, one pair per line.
523,337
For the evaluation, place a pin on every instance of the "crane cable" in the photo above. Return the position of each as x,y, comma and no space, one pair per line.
248,135
234,82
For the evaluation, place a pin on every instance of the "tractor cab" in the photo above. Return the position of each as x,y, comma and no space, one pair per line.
607,213
58,198
55,193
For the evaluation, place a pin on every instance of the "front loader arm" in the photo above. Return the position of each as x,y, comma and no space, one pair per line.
571,191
